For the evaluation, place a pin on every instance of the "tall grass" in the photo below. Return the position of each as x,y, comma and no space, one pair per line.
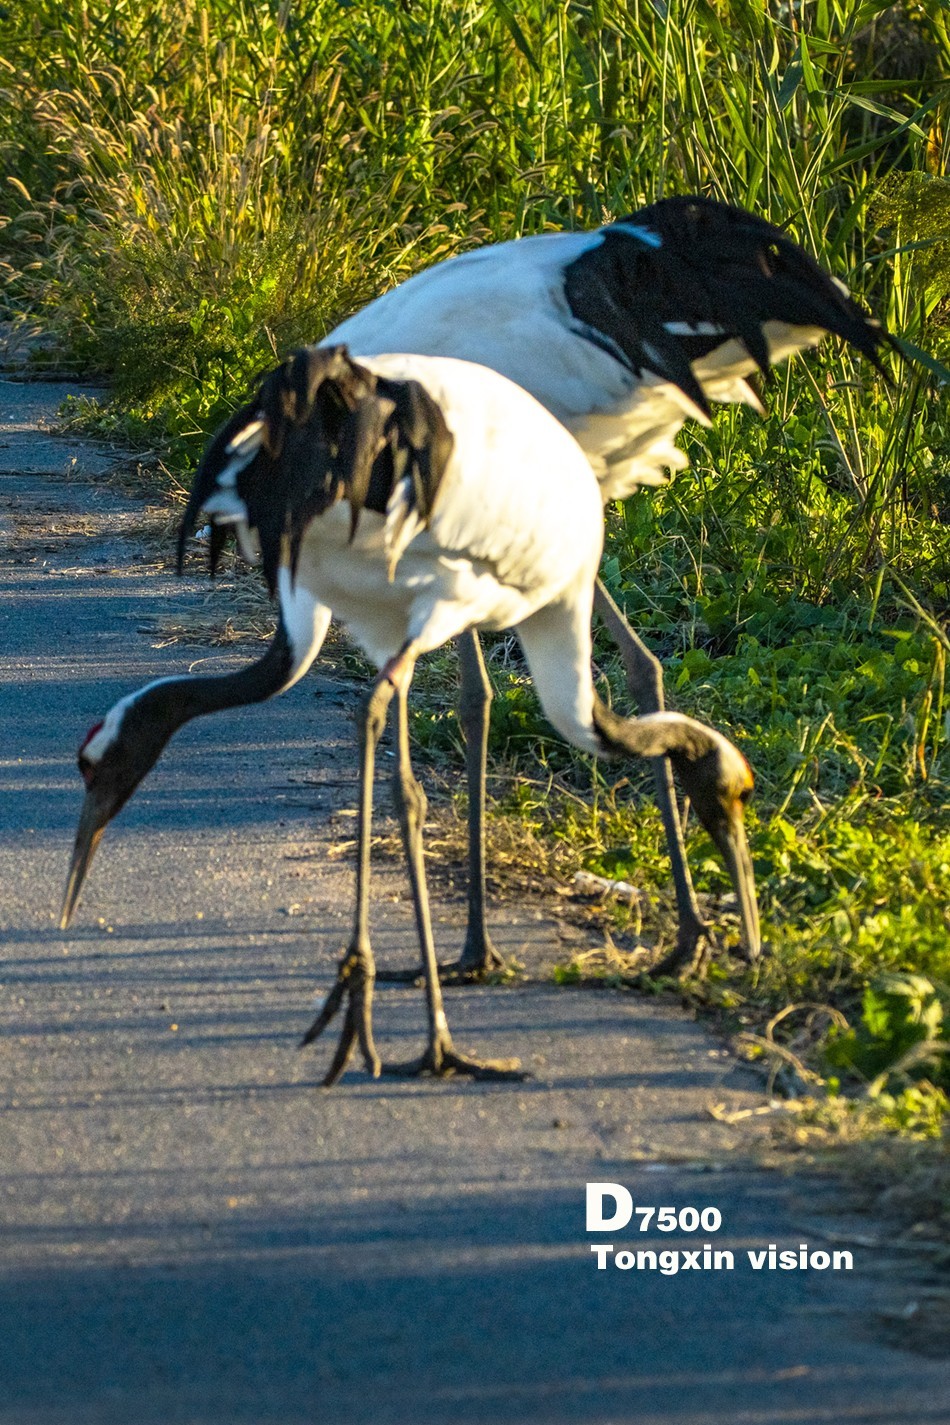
190,189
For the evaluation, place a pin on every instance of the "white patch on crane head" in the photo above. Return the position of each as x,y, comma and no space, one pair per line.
98,743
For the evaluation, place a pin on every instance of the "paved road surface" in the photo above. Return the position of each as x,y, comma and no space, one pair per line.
193,1231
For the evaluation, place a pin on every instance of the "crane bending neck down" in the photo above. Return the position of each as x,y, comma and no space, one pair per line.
382,488
119,752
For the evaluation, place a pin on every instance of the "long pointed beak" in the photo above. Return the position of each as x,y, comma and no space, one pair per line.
93,820
731,840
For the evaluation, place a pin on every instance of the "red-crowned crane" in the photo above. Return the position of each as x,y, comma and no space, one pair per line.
418,497
622,333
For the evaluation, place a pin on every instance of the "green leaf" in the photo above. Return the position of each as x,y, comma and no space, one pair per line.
883,111
791,79
813,81
930,363
517,33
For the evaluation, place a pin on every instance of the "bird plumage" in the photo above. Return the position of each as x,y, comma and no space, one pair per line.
625,331
377,444
468,542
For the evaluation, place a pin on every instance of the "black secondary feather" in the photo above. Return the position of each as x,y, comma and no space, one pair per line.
203,486
702,261
331,430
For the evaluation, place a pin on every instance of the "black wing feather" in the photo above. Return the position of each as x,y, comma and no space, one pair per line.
425,442
205,482
332,430
693,261
363,438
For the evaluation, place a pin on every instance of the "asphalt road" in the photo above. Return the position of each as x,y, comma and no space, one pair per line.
194,1231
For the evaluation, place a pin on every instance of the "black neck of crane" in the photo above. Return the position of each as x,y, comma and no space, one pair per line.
181,699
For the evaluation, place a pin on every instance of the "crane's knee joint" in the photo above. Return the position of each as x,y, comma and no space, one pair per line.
410,800
374,710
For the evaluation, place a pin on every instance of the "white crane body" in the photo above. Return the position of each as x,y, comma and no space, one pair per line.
508,307
495,548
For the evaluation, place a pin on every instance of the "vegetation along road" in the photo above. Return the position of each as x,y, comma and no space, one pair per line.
192,1230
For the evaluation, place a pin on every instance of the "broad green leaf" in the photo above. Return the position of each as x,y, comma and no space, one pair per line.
517,33
791,79
914,354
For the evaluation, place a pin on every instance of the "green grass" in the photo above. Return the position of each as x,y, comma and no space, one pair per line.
190,190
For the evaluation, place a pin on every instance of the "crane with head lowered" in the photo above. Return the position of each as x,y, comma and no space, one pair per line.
419,498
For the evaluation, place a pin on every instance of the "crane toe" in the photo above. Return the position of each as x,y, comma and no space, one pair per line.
479,963
690,956
354,983
442,1060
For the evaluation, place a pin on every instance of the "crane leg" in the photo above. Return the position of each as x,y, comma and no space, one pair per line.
357,970
645,683
441,1056
479,958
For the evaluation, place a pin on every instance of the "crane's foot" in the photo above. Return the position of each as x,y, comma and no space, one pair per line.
690,955
441,1059
354,983
479,961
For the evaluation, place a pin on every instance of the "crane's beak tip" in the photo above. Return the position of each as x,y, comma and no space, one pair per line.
93,821
77,874
735,852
